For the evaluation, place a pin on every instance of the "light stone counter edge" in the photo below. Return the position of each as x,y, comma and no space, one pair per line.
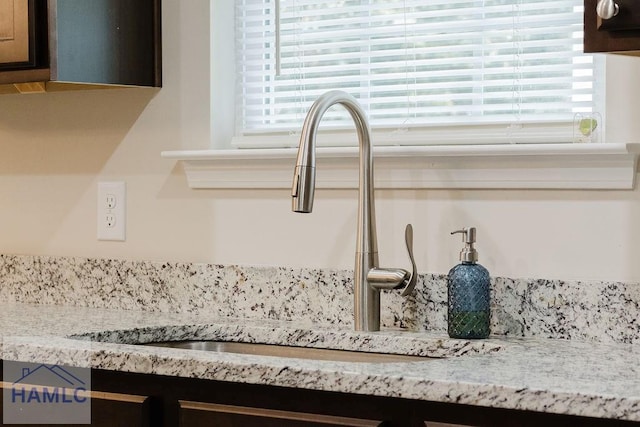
553,376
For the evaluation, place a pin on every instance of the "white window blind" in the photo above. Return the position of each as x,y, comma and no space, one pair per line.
503,71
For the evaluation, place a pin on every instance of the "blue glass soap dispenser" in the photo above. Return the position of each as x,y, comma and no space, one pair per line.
468,288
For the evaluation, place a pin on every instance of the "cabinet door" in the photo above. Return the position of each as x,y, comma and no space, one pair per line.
196,414
620,33
15,33
24,50
105,41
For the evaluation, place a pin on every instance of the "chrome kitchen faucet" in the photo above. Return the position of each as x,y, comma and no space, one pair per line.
369,279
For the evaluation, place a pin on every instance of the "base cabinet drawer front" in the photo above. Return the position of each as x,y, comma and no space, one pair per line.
120,410
109,410
436,424
195,414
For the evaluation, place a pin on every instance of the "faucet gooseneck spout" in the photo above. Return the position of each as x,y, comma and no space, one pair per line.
369,279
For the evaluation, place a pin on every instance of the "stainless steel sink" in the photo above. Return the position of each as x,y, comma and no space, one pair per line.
290,351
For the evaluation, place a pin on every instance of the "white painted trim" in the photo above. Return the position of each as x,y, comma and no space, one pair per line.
508,166
458,134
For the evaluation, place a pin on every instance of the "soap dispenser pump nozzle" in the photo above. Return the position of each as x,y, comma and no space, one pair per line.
468,254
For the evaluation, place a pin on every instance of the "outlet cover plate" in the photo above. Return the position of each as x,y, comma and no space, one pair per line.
112,210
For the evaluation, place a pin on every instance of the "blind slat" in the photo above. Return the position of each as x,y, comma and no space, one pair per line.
490,61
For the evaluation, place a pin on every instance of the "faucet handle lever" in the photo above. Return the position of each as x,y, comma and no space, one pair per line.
413,279
396,278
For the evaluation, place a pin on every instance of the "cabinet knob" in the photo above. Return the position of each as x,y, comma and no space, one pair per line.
607,9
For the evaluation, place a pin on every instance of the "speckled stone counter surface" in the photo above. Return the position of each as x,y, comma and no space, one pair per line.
555,376
594,311
92,312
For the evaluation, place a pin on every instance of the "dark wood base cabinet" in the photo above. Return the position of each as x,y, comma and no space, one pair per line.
126,399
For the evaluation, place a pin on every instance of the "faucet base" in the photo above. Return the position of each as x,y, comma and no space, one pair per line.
366,299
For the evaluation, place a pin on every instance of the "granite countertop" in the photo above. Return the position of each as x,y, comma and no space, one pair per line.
546,375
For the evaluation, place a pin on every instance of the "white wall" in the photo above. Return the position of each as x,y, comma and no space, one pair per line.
57,146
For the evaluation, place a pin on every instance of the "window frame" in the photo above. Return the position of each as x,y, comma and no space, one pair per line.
456,134
214,164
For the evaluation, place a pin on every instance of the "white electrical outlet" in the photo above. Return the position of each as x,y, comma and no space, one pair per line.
112,210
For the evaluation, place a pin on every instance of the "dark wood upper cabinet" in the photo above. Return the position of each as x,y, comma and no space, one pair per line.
17,27
618,34
24,41
92,42
105,41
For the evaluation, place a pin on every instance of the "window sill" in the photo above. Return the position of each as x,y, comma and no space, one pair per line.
533,166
